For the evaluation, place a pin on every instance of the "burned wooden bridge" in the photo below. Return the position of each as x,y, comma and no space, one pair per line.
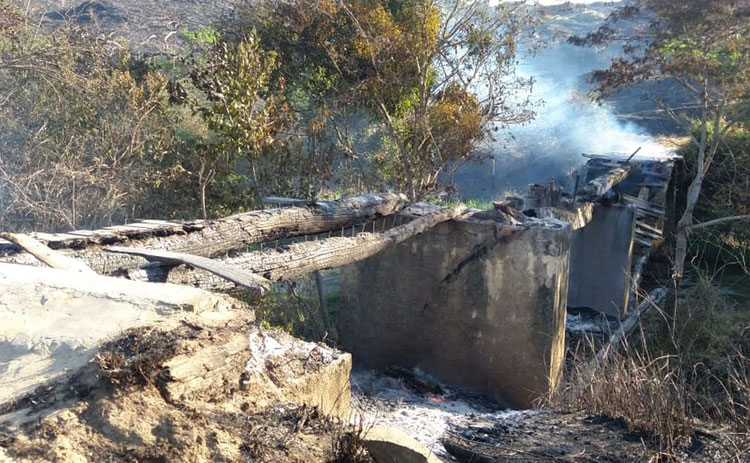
477,298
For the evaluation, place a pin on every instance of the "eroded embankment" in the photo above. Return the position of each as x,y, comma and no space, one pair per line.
186,376
190,394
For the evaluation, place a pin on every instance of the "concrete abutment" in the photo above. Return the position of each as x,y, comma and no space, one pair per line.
476,303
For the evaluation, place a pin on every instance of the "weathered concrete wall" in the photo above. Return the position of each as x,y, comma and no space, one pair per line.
600,261
475,303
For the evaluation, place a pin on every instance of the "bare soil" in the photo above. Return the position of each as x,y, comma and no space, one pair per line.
149,27
143,400
140,426
551,436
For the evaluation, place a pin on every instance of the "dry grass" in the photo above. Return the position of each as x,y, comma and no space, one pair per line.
348,446
650,394
678,379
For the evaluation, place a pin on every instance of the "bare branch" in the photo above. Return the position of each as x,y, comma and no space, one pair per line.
711,223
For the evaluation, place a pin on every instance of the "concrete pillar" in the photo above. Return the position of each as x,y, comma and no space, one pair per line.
475,303
600,261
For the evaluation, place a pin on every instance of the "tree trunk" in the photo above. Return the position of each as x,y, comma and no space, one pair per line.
203,201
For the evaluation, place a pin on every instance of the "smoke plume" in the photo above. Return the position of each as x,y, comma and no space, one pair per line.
568,122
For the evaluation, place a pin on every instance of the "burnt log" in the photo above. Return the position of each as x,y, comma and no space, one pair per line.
216,237
238,276
46,255
601,184
300,259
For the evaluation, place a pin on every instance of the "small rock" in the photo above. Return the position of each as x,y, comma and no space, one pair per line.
389,445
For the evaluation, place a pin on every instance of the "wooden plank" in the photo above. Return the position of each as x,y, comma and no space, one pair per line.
48,237
58,237
233,274
642,242
642,203
647,212
648,227
601,184
140,226
83,233
648,234
164,223
50,257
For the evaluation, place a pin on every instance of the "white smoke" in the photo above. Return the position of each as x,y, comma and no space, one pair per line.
568,122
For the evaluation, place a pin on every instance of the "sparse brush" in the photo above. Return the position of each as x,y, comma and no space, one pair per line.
738,393
672,381
649,394
347,444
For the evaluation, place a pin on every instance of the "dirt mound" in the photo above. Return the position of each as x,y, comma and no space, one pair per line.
140,426
189,394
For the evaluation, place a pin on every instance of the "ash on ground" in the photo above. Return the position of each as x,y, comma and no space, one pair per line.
461,427
428,411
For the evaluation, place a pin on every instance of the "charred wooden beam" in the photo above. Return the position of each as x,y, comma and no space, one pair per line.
601,184
284,202
238,276
300,259
578,217
46,255
213,238
647,207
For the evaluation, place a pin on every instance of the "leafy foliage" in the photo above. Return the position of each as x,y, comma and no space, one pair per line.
203,35
241,117
434,79
85,142
705,48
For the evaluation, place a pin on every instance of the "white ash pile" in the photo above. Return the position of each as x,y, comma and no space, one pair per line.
422,407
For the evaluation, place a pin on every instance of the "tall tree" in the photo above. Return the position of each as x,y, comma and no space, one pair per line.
434,78
704,46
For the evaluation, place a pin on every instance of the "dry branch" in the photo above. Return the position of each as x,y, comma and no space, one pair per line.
719,221
629,324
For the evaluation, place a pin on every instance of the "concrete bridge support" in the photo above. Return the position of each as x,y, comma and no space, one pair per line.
476,303
601,261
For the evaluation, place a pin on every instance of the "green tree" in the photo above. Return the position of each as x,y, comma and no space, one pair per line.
433,78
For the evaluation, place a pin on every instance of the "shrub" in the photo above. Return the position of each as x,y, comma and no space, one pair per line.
85,142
